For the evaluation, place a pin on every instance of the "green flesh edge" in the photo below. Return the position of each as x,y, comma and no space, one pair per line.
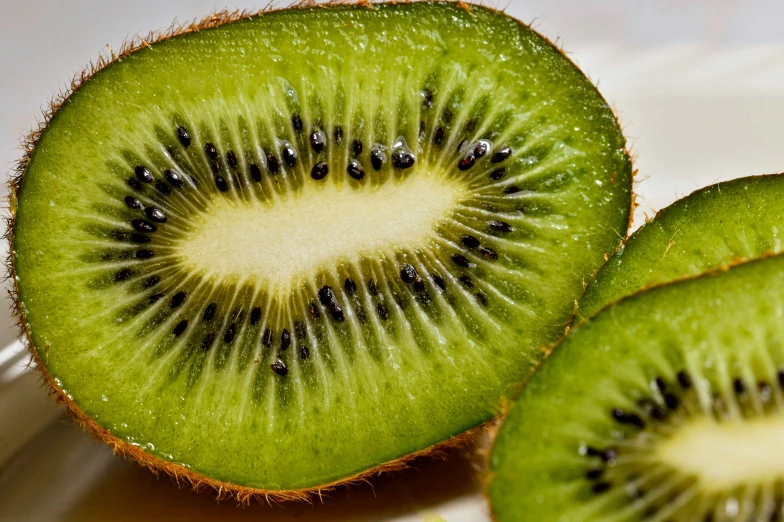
719,329
369,392
713,227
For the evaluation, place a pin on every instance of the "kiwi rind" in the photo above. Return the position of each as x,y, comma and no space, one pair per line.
621,351
120,446
718,225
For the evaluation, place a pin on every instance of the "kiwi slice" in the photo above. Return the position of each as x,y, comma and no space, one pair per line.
667,406
713,227
272,253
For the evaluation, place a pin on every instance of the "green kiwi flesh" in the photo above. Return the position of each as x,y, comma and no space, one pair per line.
283,251
713,227
666,406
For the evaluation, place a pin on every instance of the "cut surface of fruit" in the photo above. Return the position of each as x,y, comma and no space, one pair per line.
668,405
711,228
283,251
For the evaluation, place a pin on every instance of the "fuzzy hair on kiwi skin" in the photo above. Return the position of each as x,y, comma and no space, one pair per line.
179,473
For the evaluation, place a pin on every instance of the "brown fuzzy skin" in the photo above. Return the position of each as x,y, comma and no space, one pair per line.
179,473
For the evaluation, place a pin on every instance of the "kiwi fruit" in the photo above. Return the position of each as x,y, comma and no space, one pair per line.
273,253
713,227
666,406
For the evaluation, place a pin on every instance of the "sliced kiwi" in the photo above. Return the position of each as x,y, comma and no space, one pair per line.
713,227
667,406
276,252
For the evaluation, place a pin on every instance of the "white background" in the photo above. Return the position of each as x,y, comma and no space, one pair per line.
698,86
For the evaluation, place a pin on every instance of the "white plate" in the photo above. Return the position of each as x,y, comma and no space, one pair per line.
694,115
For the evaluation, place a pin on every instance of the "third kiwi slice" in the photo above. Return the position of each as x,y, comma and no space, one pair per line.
271,253
713,227
666,406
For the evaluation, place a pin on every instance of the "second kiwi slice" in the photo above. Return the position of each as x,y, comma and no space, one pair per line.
666,406
275,252
713,227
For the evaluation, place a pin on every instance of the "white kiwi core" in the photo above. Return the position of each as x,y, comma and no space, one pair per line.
728,454
318,227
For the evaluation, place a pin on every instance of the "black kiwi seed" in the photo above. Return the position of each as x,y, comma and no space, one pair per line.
319,171
207,342
419,285
481,149
139,238
184,136
134,184
133,203
317,141
402,159
209,312
272,164
255,172
500,226
438,136
143,225
180,328
498,173
289,155
511,189
350,286
660,384
285,340
231,159
427,99
221,184
151,281
355,170
594,474
684,380
337,134
653,409
625,417
377,158
155,298
488,253
304,352
143,174
467,281
739,386
383,313
177,299
501,154
357,147
266,339
601,487
671,401
278,366
255,316
228,336
296,122
460,260
482,298
163,187
467,162
439,282
122,275
469,241
144,254
780,377
211,151
173,177
408,273
155,214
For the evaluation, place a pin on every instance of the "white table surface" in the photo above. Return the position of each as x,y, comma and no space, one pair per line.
699,90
